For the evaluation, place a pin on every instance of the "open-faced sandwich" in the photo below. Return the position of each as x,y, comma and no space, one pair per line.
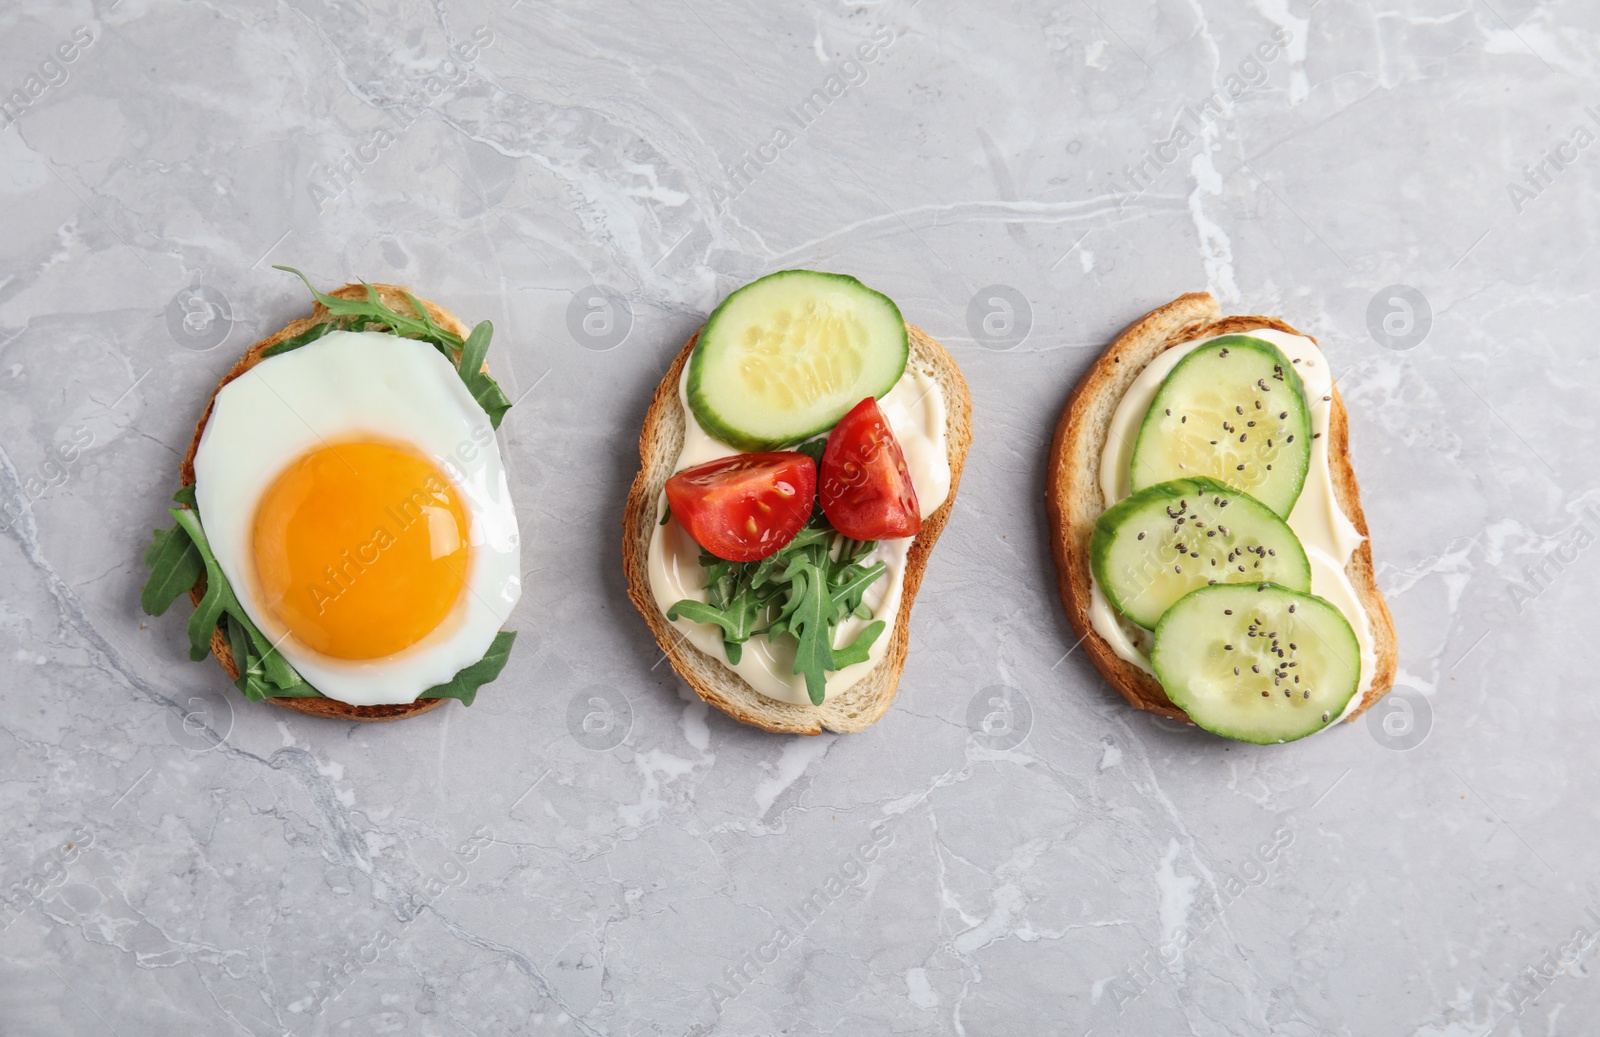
1207,527
799,460
344,527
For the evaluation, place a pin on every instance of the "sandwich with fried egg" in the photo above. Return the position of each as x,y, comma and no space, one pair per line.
344,526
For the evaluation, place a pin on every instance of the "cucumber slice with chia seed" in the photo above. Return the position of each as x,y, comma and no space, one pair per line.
1233,410
1153,548
786,356
1257,662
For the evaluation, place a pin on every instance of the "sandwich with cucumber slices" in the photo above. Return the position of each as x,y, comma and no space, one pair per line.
1207,528
798,462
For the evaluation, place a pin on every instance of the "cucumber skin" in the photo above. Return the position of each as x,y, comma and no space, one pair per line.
1291,378
1100,539
1355,645
721,430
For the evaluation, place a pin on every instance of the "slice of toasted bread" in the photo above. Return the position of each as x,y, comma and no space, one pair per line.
393,297
1075,501
862,704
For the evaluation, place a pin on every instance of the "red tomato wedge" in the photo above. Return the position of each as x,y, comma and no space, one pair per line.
745,507
866,489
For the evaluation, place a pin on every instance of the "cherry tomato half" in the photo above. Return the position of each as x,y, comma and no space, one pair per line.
866,488
745,507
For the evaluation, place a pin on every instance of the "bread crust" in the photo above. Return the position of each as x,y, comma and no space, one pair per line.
1074,499
858,707
394,297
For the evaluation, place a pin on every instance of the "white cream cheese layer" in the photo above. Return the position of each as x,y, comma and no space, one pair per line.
1325,531
915,409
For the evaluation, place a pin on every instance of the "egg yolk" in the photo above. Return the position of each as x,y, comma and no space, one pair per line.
361,549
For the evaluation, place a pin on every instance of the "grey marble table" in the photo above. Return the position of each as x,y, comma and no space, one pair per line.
1012,849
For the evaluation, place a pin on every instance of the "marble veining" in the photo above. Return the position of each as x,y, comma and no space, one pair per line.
591,850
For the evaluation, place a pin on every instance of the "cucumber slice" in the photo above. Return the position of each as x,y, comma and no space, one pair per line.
1234,410
1258,663
785,357
1163,542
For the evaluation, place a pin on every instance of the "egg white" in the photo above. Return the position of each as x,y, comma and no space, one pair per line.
342,387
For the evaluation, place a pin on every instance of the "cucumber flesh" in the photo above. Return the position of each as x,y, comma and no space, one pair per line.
1233,410
1257,662
1153,548
786,356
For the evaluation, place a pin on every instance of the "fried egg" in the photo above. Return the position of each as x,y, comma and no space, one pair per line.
353,494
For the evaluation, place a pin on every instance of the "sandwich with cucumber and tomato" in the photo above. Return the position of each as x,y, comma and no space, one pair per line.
798,462
1211,549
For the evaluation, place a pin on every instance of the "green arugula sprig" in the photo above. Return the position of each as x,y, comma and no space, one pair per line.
370,314
179,557
465,684
814,582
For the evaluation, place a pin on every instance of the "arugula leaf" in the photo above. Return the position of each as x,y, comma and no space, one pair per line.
250,679
465,684
372,309
175,565
205,617
254,679
435,331
474,350
856,651
852,585
810,617
733,620
294,342
209,612
810,536
484,389
735,601
219,599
